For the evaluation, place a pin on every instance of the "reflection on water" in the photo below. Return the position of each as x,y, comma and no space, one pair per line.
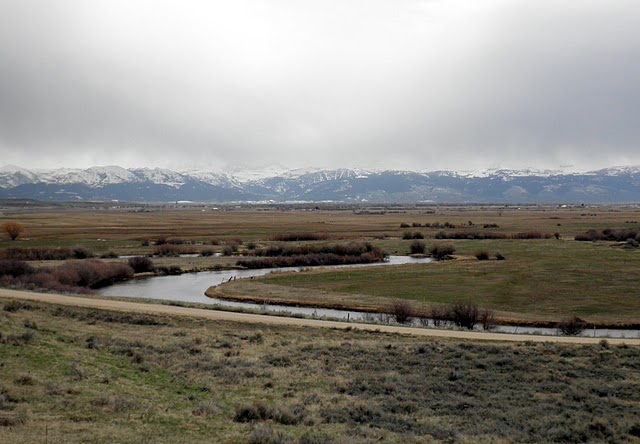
190,287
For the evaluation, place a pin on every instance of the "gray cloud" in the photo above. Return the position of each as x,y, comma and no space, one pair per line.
405,84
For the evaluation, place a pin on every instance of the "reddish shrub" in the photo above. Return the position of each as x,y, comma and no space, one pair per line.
141,264
167,250
14,268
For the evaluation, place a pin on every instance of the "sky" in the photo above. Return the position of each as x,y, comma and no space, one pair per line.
385,84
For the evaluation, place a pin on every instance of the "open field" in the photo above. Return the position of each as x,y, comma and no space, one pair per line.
72,374
119,227
541,279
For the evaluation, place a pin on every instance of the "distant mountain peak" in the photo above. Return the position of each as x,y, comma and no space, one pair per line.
616,184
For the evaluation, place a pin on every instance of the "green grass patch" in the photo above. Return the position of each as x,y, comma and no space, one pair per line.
545,279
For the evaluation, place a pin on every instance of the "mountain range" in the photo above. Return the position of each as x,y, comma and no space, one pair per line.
108,183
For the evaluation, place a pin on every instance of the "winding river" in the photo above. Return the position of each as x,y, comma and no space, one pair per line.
190,288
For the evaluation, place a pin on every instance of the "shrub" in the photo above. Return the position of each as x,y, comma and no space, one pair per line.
402,312
172,270
227,250
407,235
167,250
259,411
264,434
482,255
141,264
610,235
80,252
439,314
46,254
418,235
207,252
500,257
314,255
75,276
470,235
233,244
11,267
487,319
13,229
531,235
572,326
297,237
463,315
404,225
417,247
441,251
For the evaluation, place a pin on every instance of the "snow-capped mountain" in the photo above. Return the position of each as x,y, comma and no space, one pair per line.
617,184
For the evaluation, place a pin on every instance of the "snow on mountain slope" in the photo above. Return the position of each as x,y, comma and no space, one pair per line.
94,176
12,176
618,184
159,176
212,178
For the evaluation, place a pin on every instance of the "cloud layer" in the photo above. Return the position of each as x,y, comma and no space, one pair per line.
457,84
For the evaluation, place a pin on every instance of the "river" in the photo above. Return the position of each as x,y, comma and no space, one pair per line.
190,288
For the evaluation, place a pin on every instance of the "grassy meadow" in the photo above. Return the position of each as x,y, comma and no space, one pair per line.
77,375
540,280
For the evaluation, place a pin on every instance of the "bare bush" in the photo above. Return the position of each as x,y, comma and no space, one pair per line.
470,235
487,319
297,237
206,252
141,264
463,315
80,252
167,250
402,311
572,326
439,314
46,254
14,268
482,255
441,251
500,257
609,234
417,247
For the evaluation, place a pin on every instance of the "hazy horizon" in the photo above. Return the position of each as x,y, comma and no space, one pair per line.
417,85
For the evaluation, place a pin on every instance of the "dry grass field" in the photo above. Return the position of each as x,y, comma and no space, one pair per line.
204,224
78,375
70,374
540,280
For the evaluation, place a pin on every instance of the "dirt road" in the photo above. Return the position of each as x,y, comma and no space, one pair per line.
156,309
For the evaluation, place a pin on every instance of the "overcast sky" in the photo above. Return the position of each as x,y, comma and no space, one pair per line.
415,84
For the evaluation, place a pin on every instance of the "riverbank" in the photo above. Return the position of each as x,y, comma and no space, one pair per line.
158,309
259,292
